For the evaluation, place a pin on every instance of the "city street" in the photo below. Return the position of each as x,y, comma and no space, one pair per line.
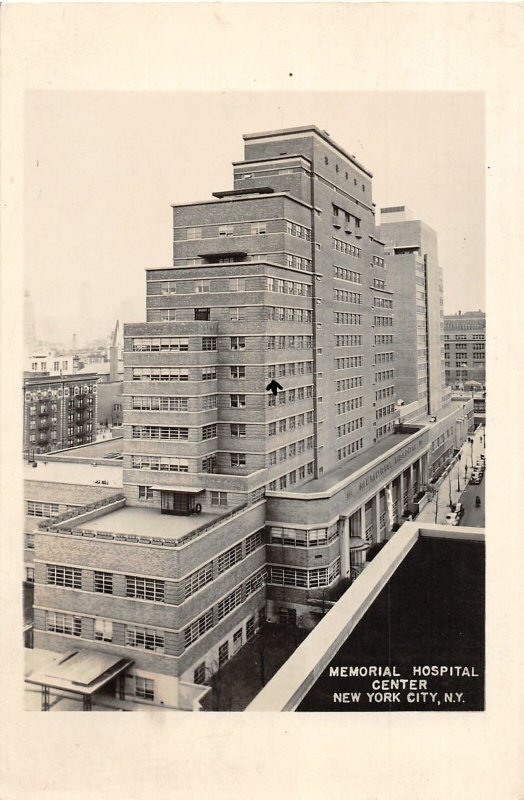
468,492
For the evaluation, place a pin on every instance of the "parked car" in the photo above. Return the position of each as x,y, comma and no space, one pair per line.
459,510
475,478
452,518
483,456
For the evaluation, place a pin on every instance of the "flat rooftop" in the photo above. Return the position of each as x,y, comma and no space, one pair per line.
341,473
105,448
70,472
148,522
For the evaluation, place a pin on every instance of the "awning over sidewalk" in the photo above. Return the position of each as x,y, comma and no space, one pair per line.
82,672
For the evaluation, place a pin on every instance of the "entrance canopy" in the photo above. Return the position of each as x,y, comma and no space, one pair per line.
82,672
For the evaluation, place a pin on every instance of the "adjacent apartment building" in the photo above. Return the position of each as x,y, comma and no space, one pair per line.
263,446
59,412
465,348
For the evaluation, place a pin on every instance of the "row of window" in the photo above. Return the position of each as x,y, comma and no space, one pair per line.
159,432
206,621
293,537
347,297
282,481
347,274
291,369
290,423
282,314
348,340
164,403
343,318
160,463
384,322
303,578
290,342
385,411
384,338
290,396
350,426
377,261
348,361
349,383
159,345
384,429
292,450
384,375
349,449
383,358
349,405
289,287
387,391
378,283
346,247
383,302
38,509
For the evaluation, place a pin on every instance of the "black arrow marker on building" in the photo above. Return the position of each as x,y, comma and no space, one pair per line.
273,387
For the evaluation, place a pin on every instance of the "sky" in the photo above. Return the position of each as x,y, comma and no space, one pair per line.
103,168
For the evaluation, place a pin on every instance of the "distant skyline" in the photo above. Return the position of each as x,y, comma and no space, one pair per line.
103,168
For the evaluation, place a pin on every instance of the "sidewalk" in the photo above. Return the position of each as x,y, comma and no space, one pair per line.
428,513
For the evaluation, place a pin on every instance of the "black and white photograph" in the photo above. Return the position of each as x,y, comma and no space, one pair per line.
249,398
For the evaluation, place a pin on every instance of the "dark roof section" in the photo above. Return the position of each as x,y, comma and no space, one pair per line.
234,192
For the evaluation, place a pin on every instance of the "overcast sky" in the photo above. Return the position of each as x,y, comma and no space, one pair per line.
103,168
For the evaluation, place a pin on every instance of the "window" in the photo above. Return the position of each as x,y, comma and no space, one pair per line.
145,688
145,493
194,233
253,542
230,557
198,628
30,574
258,227
209,343
237,314
229,603
56,622
145,588
238,372
238,459
209,432
35,509
237,400
238,342
237,430
198,579
250,628
202,314
144,638
202,285
223,653
226,230
103,630
199,675
209,374
69,577
219,498
237,640
104,582
237,284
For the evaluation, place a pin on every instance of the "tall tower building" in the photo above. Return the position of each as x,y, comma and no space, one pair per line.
274,280
415,277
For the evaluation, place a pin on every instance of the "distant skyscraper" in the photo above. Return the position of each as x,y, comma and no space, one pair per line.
29,323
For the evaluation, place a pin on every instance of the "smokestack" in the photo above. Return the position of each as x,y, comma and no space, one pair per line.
113,356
